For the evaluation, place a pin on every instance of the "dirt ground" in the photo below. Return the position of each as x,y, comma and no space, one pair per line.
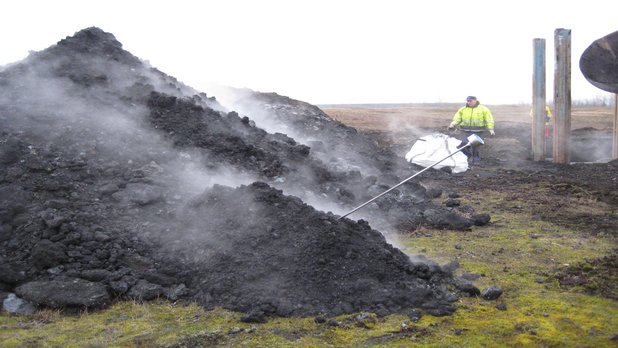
582,196
509,151
379,117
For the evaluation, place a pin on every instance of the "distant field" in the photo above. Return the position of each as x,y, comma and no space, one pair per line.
384,117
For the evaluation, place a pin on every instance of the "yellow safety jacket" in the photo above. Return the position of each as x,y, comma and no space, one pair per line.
548,115
474,119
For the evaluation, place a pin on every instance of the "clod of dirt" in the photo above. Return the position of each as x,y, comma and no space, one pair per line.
491,293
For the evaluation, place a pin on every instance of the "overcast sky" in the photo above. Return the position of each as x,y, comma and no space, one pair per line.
332,51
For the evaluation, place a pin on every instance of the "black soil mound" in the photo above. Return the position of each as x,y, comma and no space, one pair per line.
118,181
253,248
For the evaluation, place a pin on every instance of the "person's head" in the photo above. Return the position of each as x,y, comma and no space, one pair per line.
471,101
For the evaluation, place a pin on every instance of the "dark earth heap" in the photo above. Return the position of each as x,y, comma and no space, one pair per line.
119,182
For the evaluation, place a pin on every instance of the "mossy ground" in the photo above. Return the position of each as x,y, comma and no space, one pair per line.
520,253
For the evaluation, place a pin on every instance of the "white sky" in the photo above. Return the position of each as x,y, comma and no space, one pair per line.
331,51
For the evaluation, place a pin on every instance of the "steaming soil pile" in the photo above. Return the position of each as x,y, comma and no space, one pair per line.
103,168
257,250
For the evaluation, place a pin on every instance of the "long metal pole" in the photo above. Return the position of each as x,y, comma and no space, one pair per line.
401,183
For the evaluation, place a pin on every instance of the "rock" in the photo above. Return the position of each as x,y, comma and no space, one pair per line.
119,287
65,292
109,189
10,151
501,306
492,293
48,254
333,323
480,219
52,218
5,232
15,305
415,315
319,320
466,287
176,292
144,290
445,220
10,273
434,192
101,236
452,203
95,275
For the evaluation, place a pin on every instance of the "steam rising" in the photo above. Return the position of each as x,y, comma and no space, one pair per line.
350,155
139,182
101,122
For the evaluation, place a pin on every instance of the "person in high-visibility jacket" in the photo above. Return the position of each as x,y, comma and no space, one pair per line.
548,116
473,118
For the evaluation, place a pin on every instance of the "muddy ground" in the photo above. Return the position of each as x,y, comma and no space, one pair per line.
582,196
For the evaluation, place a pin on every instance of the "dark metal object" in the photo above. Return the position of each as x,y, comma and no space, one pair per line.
599,63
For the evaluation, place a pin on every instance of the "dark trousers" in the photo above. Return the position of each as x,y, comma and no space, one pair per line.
473,152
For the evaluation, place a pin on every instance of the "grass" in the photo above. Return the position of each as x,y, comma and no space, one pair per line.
516,251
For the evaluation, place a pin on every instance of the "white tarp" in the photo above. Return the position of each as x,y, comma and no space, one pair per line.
432,148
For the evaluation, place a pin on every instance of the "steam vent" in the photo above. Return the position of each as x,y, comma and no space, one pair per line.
117,181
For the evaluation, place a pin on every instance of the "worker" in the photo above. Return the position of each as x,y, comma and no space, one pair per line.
473,118
547,120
